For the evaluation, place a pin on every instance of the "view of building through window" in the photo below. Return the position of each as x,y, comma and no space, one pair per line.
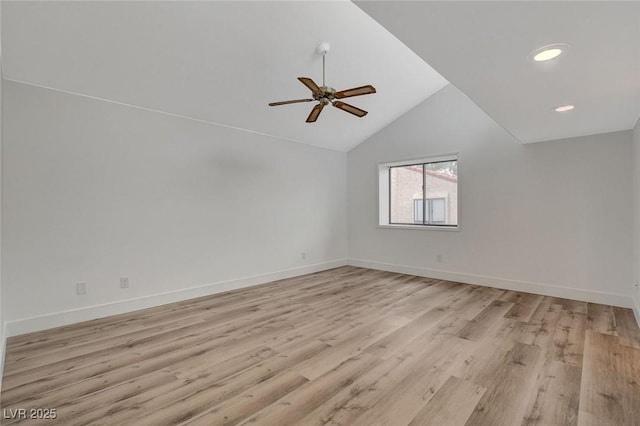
424,194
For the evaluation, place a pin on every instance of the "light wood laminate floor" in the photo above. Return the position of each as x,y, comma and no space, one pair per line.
348,346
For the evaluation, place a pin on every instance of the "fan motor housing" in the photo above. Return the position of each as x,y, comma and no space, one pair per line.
326,95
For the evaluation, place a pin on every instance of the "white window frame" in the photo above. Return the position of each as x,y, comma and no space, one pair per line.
383,193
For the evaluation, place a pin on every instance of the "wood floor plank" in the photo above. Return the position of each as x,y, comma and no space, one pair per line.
483,297
524,305
402,402
572,306
351,344
452,404
233,411
557,398
540,329
439,294
601,318
610,386
293,407
367,391
192,399
187,334
568,338
509,388
351,402
115,403
485,320
387,346
347,346
136,362
70,351
627,327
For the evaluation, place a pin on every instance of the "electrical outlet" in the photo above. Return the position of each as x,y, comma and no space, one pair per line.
438,258
81,288
124,282
303,255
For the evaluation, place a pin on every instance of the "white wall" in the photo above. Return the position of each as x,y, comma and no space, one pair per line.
550,217
636,218
94,191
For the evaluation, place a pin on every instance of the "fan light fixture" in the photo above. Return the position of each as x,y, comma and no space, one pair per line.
326,95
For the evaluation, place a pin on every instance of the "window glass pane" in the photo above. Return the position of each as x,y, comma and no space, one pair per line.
405,186
441,186
418,210
438,210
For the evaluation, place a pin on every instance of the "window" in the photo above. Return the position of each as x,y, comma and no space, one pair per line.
422,193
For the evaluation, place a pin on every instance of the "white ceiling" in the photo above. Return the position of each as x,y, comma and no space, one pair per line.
482,48
220,62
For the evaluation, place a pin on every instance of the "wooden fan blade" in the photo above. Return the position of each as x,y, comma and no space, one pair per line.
295,101
350,109
356,91
315,112
310,84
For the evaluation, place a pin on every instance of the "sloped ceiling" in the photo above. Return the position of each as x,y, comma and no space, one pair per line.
220,62
482,46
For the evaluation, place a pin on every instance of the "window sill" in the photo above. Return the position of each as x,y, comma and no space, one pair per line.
422,227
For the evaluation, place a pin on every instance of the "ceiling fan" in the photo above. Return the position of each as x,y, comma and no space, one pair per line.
326,95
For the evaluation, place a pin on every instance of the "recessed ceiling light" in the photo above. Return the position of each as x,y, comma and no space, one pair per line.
563,108
549,52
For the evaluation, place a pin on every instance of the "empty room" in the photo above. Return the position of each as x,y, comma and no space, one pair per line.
320,213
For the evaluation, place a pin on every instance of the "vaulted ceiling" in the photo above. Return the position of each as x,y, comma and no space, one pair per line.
482,47
220,62
223,62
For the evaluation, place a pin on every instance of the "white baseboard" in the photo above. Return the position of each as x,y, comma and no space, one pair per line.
636,306
505,284
57,319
